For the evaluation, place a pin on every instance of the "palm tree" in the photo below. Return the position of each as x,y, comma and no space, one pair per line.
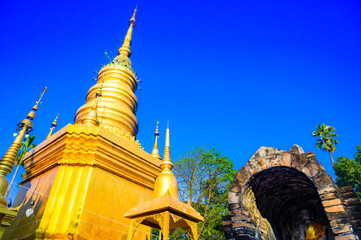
326,141
26,146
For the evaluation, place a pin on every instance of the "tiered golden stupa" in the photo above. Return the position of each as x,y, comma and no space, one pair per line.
117,106
81,180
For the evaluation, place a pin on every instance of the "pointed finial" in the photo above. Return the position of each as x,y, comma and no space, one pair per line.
156,130
166,157
124,50
53,125
155,151
132,20
31,115
36,106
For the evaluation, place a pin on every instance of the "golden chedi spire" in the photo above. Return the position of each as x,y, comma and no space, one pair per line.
155,151
125,48
8,160
53,125
116,109
166,182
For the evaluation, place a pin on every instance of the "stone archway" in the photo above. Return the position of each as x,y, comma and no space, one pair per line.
284,183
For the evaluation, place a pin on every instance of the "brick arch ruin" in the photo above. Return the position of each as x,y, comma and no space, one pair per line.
275,187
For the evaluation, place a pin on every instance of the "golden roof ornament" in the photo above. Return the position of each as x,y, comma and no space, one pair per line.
53,125
155,151
8,160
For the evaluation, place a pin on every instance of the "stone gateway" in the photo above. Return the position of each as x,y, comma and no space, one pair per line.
288,195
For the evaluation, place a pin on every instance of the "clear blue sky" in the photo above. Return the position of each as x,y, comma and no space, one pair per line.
234,75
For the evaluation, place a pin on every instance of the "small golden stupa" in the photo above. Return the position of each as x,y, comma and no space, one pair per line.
165,211
7,163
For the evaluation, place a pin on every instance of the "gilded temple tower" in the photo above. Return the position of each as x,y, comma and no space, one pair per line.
118,104
82,179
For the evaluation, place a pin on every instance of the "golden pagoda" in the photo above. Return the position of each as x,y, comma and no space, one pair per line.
165,211
83,178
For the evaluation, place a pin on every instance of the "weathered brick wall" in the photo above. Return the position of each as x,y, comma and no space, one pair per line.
337,215
227,227
353,207
239,225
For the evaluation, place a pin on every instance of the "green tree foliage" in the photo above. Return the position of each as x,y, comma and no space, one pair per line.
326,138
348,171
204,177
26,146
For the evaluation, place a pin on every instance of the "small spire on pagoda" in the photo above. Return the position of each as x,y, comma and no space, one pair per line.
53,125
125,48
166,182
155,151
8,160
25,127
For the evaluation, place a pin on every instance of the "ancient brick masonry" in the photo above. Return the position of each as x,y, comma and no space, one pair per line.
276,186
239,225
353,207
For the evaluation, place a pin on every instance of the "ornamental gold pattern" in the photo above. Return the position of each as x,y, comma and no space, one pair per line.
123,134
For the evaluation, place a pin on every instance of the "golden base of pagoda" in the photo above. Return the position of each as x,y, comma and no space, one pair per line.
78,185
